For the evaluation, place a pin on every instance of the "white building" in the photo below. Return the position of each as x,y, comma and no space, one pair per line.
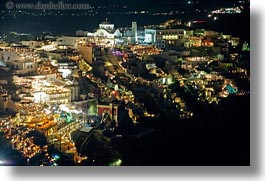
31,44
73,41
50,47
24,67
81,33
166,38
135,31
106,34
5,101
8,56
150,36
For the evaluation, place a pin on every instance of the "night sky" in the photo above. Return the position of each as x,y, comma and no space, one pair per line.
144,4
60,25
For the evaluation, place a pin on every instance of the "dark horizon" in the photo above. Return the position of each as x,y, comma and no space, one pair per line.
71,21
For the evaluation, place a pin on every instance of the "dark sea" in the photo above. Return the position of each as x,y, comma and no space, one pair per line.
237,25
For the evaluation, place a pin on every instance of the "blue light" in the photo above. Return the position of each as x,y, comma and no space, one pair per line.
56,157
231,89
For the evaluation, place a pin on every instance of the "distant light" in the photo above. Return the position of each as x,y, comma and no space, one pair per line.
2,162
215,18
189,2
56,157
116,163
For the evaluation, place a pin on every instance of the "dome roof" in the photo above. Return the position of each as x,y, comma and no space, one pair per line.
106,22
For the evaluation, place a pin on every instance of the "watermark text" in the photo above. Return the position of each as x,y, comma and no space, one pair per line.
61,5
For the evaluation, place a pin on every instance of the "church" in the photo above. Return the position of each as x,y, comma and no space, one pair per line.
105,35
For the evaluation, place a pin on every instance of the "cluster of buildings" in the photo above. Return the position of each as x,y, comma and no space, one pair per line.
60,83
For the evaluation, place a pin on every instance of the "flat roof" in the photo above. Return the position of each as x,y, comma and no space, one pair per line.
86,129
